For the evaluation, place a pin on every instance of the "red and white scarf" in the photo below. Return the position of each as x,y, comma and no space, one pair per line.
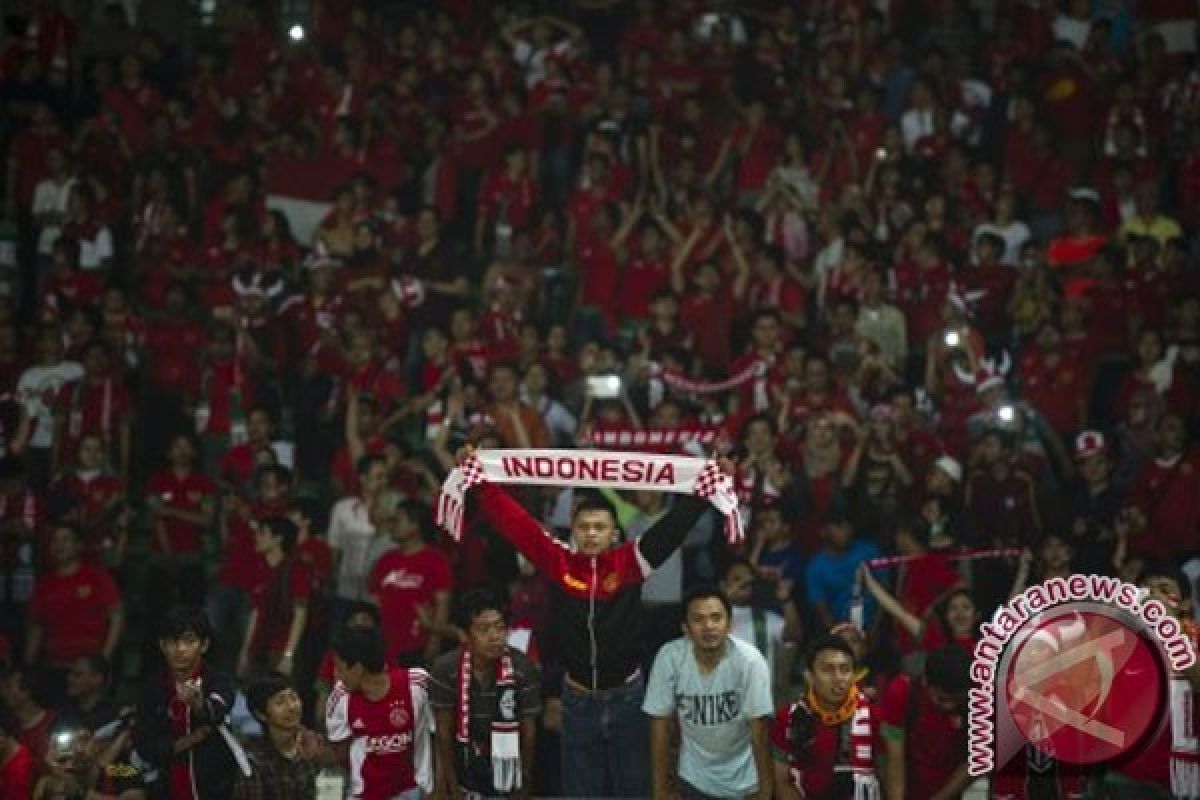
505,744
682,383
1185,745
598,469
853,753
653,440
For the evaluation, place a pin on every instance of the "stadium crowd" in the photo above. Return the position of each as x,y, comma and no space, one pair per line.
921,274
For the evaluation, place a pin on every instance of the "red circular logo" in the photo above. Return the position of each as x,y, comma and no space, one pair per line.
1083,687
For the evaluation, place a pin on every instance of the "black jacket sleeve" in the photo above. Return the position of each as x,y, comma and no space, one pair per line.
152,735
219,697
665,536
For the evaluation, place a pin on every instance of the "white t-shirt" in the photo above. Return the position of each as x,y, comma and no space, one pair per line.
37,390
714,712
916,123
743,628
1015,234
351,533
93,252
50,197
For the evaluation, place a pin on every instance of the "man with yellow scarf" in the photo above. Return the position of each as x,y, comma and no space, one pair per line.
824,743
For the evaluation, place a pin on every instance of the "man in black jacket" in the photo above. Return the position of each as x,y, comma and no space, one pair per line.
182,714
598,620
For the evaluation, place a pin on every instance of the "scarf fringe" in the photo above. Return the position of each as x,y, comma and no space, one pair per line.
505,741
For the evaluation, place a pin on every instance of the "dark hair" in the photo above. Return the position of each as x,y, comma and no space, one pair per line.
67,525
772,426
593,501
182,620
283,528
706,592
366,647
477,601
740,561
1165,569
828,641
366,462
361,607
282,473
916,527
263,689
839,518
418,514
948,668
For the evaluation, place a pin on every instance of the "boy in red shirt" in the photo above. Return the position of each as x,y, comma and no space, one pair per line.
410,583
925,731
383,711
75,611
181,502
280,610
807,737
16,762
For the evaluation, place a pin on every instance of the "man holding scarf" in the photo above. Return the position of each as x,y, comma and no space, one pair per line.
596,587
824,742
486,697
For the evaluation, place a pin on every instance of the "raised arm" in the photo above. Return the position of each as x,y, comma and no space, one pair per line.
909,621
666,536
522,531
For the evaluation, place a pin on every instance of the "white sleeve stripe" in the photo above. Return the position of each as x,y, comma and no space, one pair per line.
643,564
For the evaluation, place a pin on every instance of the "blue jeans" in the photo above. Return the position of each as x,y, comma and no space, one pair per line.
605,742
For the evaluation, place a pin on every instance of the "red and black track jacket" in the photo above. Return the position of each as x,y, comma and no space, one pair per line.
597,611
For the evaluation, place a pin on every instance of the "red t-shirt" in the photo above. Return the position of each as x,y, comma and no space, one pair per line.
186,493
924,581
36,739
275,620
73,611
243,566
710,320
239,462
92,409
1055,390
812,767
1167,496
317,557
16,775
941,738
96,498
515,198
643,277
403,582
598,273
389,749
174,349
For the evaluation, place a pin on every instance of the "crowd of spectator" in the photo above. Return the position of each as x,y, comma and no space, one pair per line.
923,271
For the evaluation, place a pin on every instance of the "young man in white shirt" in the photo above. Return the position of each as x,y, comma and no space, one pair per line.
717,689
351,535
